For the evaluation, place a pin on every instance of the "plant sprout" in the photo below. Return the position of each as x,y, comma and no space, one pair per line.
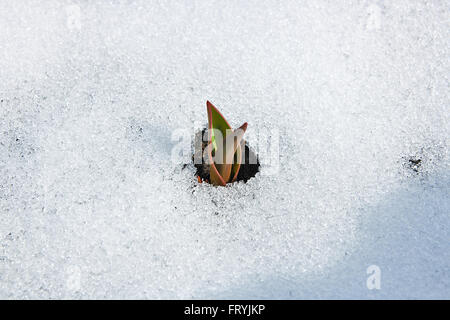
224,147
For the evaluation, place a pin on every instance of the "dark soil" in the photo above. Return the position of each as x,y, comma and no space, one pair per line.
415,164
246,171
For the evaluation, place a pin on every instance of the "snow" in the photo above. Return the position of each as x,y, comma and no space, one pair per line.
92,206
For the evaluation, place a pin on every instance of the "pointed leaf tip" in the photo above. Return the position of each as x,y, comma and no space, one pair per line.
244,126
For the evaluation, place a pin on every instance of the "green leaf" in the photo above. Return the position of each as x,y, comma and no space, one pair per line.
228,150
216,121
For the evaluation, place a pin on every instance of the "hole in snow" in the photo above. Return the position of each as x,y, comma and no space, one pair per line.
247,170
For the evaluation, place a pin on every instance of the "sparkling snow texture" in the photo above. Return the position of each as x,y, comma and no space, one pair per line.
91,205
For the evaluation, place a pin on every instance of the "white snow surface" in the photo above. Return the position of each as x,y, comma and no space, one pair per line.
92,207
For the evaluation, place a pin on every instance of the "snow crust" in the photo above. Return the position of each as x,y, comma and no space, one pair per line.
91,205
